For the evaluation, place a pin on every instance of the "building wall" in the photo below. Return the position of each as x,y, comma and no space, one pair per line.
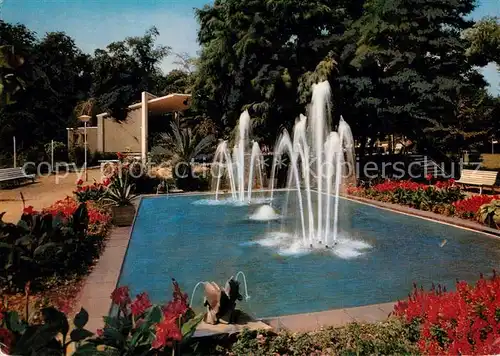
76,137
491,160
122,136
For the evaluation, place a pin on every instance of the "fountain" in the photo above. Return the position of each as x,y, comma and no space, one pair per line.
242,167
321,161
265,213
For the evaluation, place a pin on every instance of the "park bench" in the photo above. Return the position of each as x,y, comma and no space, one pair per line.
477,178
14,175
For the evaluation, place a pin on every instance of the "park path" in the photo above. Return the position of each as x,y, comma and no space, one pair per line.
43,193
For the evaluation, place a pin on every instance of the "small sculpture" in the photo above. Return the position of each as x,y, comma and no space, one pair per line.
221,304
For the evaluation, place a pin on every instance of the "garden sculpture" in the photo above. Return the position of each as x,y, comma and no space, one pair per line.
220,303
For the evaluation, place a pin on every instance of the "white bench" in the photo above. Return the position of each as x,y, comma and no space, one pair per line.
477,178
14,175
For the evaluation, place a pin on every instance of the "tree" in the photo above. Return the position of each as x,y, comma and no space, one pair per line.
10,83
185,62
411,64
121,72
261,55
54,76
176,81
484,38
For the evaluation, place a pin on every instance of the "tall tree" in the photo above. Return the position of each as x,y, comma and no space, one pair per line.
121,72
10,83
260,55
484,40
55,75
412,59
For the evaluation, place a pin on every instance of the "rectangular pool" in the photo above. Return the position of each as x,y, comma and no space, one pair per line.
192,240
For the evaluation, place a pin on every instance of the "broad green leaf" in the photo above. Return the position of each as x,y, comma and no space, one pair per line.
14,323
154,315
81,318
189,327
80,334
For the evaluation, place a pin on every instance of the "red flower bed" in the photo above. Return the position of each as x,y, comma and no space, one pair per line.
67,207
91,192
466,321
468,208
393,185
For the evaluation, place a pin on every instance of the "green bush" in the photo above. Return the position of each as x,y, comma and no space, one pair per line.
77,156
43,245
489,214
391,337
39,245
50,338
60,151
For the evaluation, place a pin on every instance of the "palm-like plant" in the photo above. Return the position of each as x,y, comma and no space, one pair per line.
120,191
181,146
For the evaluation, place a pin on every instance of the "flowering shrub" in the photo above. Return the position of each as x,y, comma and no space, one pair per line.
444,197
139,327
93,192
465,322
390,186
468,208
436,197
58,242
40,246
99,218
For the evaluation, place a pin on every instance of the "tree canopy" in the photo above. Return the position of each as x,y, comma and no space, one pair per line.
404,67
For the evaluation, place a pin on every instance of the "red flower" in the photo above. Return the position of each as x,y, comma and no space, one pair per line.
175,309
467,208
119,155
79,182
100,332
121,296
29,210
429,177
106,182
466,318
178,294
140,304
178,306
167,331
6,339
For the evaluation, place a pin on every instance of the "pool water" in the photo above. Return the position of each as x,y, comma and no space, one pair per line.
192,239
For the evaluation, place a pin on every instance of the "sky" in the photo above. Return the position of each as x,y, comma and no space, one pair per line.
95,23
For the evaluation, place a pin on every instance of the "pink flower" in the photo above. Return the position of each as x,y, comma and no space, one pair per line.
99,332
140,304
